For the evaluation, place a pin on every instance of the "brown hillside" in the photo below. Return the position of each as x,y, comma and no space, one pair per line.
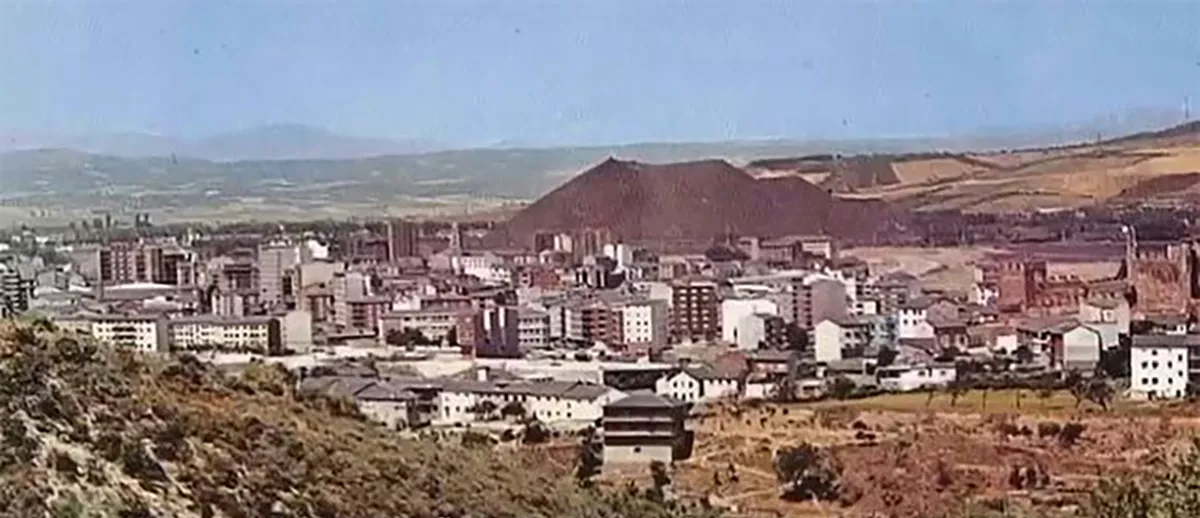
690,200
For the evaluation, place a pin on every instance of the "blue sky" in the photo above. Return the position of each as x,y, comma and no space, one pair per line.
580,71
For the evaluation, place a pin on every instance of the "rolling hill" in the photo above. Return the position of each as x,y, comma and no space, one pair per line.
52,186
1143,167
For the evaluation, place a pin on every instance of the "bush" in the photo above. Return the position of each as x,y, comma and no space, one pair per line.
1048,429
1070,433
808,472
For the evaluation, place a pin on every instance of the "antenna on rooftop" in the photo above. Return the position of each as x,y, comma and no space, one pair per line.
1187,109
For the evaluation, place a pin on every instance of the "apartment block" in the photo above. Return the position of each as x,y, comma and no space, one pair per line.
143,333
695,311
236,334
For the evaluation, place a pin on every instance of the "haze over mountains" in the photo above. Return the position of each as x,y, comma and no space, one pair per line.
270,142
295,172
291,141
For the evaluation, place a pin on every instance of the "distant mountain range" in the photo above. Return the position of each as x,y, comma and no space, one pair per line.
300,142
272,142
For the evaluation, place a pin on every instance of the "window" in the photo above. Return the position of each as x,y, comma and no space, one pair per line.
1145,365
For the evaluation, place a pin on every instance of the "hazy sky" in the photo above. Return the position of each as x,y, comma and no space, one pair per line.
573,71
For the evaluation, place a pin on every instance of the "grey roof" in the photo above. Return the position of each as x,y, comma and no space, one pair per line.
704,372
1167,319
646,400
559,389
359,388
1166,340
918,303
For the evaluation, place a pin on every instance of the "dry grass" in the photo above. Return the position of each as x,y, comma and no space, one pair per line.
937,169
923,460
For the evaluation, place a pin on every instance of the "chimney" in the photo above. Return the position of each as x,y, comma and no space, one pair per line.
481,373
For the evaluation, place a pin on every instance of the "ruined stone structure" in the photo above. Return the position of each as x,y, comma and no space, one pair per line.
1023,286
1015,280
1163,279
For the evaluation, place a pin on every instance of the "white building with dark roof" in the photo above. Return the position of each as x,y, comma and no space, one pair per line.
1159,365
697,384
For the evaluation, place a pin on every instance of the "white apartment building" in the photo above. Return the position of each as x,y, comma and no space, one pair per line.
833,337
275,261
210,332
644,322
914,320
735,311
144,333
533,328
1158,366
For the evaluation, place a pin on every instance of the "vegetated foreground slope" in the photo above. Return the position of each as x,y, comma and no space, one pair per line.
693,200
89,431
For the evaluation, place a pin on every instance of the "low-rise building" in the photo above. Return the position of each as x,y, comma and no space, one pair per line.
836,338
377,399
144,333
697,384
234,334
461,327
1159,365
906,378
913,321
736,310
553,402
533,328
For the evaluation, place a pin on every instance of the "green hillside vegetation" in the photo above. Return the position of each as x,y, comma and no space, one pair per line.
91,431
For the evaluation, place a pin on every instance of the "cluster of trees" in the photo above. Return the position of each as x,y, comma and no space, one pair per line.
409,337
808,472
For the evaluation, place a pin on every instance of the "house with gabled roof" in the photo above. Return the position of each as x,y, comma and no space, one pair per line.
698,384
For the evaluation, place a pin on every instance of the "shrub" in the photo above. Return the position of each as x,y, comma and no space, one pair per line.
1048,429
808,472
1070,433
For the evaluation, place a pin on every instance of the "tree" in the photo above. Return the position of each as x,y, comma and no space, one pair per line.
406,337
1076,385
1100,392
484,409
1070,433
1114,362
797,337
536,432
589,459
1024,354
957,388
808,473
886,357
841,387
513,409
661,479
